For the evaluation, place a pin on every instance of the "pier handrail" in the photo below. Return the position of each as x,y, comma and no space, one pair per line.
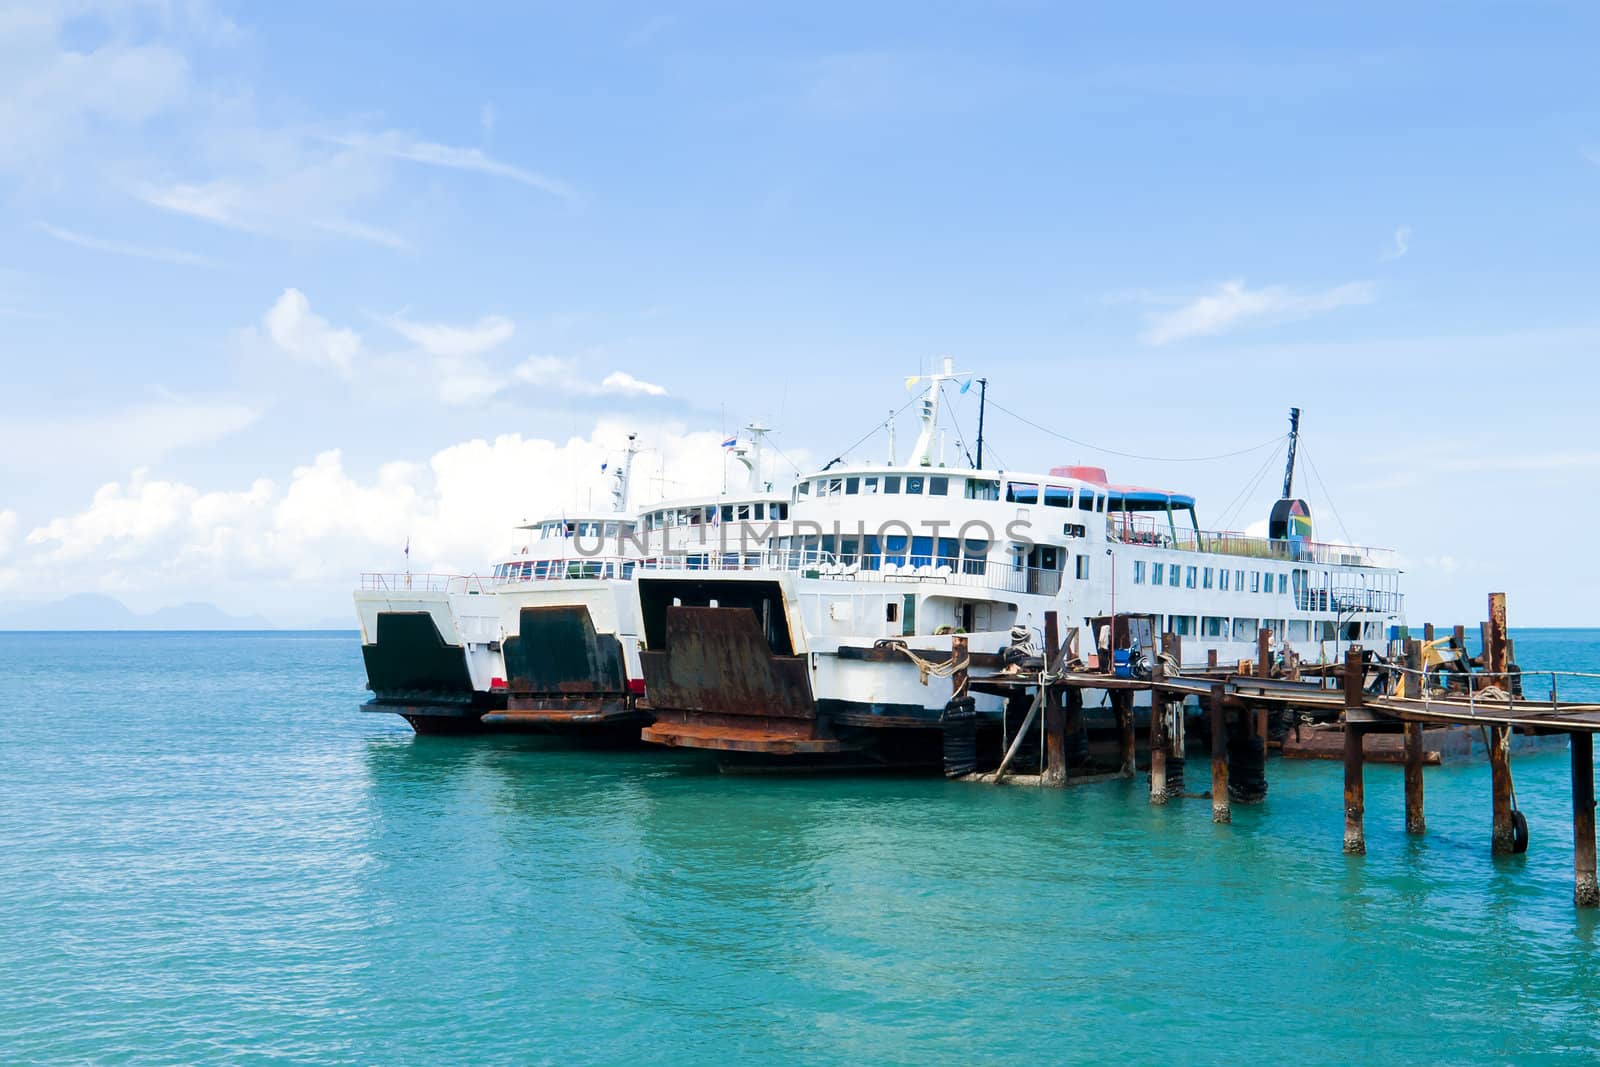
1425,693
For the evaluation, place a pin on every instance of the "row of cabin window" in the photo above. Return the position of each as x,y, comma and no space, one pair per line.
759,511
872,552
565,568
1244,629
553,530
1209,577
888,485
1055,496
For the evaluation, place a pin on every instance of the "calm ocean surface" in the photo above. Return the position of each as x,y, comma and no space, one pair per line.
207,853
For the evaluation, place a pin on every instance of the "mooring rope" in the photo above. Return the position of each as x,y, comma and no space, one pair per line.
926,668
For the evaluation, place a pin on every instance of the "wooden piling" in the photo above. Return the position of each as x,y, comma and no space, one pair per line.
1122,705
1355,800
1055,711
1415,821
1158,747
1221,809
1503,830
1355,835
1585,892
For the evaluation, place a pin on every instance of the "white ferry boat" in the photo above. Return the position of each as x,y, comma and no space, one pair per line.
569,611
835,632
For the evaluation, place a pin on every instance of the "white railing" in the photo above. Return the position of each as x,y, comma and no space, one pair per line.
379,582
1145,531
1579,687
806,563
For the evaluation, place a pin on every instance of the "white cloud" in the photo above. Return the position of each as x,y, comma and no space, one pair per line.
620,381
561,375
123,248
144,432
1232,305
51,95
313,532
395,144
1401,245
307,336
456,342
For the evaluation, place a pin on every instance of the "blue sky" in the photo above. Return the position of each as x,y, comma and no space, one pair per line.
268,272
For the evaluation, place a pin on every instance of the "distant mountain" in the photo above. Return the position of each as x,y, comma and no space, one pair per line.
93,611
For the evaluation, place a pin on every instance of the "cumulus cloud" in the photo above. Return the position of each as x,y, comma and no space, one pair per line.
300,332
620,381
317,529
1232,304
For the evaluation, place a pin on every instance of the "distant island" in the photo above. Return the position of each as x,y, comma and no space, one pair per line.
95,611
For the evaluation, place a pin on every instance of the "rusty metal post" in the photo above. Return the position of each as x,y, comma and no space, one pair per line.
1055,712
1263,653
1221,809
1427,631
1415,821
1122,704
1211,657
958,680
1585,892
1355,799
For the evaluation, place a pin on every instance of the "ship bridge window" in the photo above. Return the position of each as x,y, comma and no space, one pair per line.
1172,577
852,486
921,550
1022,492
777,510
982,489
891,483
1138,572
1158,574
1056,496
805,488
611,529
914,484
949,552
1085,500
1205,581
1188,577
869,486
939,486
894,549
1222,580
743,513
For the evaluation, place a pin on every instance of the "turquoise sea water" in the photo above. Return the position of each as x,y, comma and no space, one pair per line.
207,854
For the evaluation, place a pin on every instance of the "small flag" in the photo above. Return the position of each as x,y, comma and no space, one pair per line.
408,548
913,380
966,385
603,467
730,442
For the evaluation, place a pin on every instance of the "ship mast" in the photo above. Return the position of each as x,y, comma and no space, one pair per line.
922,451
1294,440
619,489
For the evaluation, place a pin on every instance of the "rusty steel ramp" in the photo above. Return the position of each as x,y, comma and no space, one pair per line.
717,684
563,676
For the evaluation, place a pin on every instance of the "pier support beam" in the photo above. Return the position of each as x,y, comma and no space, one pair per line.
1585,891
1122,705
1503,840
1355,787
1355,793
1416,823
1055,711
1158,747
1221,809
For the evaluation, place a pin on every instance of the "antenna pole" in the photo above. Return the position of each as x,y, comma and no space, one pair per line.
983,397
1294,439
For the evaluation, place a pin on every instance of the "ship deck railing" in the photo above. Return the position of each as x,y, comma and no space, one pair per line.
935,570
1158,534
407,582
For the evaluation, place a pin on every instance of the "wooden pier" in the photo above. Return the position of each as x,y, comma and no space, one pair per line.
1364,697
